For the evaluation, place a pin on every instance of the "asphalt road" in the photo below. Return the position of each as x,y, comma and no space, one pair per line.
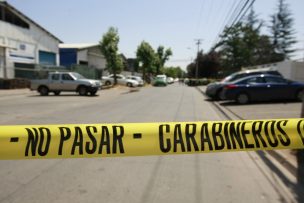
216,177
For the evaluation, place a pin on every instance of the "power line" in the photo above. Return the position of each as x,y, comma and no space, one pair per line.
209,12
227,19
237,19
231,15
200,16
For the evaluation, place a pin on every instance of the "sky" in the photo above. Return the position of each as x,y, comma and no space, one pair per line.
175,24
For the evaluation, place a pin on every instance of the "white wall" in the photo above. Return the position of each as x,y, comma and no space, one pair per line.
82,55
2,61
292,70
96,59
12,36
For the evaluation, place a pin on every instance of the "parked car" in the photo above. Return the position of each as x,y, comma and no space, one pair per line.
160,80
121,79
214,89
137,78
170,80
263,88
65,81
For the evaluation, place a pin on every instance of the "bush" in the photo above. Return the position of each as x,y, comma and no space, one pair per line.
198,82
16,83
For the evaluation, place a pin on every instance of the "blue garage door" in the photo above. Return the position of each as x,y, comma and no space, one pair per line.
47,58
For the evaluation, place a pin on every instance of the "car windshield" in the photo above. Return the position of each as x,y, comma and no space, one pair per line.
78,76
230,78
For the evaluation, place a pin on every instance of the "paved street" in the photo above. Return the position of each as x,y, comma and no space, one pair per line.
216,177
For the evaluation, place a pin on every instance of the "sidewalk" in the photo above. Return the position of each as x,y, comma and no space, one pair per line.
286,157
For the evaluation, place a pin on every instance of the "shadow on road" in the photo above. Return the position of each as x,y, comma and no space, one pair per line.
131,91
63,95
233,103
297,188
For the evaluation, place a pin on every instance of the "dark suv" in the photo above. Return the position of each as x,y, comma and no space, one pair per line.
214,89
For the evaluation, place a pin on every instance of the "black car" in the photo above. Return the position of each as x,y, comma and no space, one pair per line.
214,89
263,88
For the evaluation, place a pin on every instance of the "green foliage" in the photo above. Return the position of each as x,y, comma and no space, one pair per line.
243,45
146,55
174,72
208,65
162,56
109,48
282,33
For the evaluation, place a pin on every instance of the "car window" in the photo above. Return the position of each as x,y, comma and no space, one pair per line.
255,80
78,76
66,77
238,76
55,77
275,80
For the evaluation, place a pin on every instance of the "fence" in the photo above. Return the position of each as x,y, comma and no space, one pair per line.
23,74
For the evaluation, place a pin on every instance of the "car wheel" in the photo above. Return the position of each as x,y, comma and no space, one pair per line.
242,98
300,95
57,93
82,90
44,91
108,83
217,95
93,93
129,84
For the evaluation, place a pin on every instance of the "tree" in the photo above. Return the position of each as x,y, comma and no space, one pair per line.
252,20
191,70
146,55
242,45
208,65
282,33
232,48
174,72
162,56
109,48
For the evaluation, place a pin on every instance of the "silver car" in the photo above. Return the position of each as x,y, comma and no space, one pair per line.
137,78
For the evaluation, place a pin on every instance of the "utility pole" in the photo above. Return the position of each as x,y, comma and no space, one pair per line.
198,42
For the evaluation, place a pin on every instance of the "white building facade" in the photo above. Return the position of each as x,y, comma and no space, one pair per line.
82,54
293,70
24,43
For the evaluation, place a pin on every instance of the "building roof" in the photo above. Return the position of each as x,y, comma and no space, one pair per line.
78,46
5,3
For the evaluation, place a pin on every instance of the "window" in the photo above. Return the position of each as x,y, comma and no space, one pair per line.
8,16
55,77
275,80
255,80
66,77
83,63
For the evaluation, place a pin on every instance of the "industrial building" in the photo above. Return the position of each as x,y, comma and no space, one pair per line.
82,54
293,70
24,43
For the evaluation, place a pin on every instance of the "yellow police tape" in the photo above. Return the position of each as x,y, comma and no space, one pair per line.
140,139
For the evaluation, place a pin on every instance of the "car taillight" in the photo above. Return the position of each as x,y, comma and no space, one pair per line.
230,86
